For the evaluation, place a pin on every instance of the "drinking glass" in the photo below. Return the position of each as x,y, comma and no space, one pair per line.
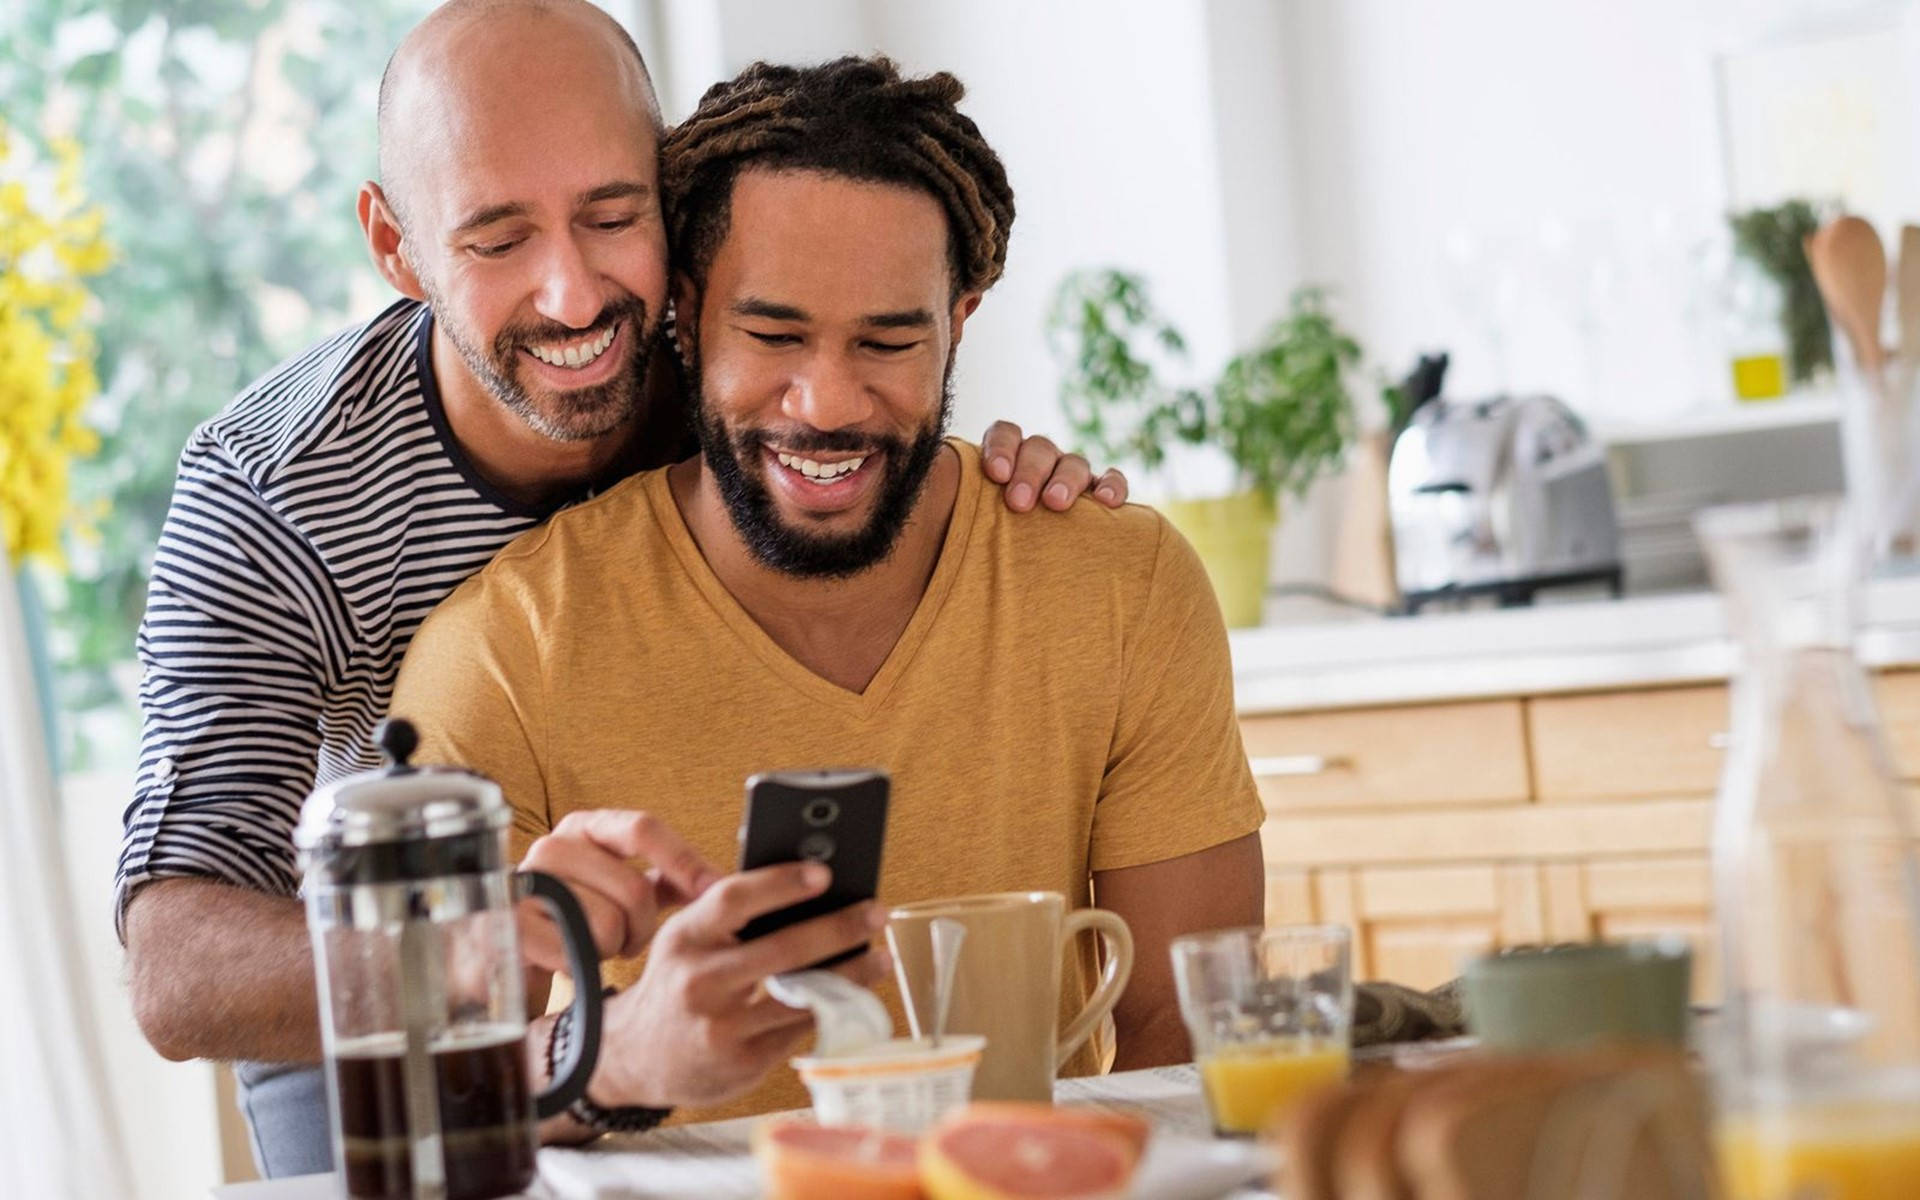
1817,1051
1880,449
1270,1013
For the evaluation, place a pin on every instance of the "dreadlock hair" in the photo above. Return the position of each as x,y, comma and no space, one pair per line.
854,117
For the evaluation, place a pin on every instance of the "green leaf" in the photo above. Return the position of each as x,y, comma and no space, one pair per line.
176,72
130,15
95,70
1280,409
1774,240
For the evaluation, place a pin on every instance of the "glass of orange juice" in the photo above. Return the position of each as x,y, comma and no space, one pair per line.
1270,1013
1846,1150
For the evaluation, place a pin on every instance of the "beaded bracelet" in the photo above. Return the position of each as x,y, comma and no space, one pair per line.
631,1119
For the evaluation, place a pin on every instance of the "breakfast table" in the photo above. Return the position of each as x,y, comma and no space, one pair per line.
714,1161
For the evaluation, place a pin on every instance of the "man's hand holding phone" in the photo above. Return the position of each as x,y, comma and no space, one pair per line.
836,816
698,1028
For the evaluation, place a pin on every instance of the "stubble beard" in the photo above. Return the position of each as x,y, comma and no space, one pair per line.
576,414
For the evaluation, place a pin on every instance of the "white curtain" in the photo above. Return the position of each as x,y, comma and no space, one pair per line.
59,1136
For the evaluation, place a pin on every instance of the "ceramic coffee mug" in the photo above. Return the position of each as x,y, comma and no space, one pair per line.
1560,997
1007,983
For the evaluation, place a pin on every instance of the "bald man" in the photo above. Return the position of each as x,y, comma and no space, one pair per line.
323,513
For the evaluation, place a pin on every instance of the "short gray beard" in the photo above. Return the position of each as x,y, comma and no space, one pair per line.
586,415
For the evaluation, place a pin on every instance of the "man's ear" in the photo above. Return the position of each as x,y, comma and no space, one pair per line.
382,229
962,309
686,316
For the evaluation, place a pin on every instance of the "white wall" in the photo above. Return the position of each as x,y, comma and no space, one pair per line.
1501,125
1102,113
1513,127
782,31
1257,145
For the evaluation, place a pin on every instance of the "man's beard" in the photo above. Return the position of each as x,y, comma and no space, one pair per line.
798,551
575,414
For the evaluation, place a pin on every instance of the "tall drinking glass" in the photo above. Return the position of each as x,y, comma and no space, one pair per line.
1270,1014
1817,1057
1880,449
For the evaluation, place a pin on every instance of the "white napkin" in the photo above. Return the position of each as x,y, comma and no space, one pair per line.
1175,1168
847,1016
1184,1168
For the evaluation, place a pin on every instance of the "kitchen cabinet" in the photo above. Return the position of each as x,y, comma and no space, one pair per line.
1898,696
1620,745
1443,754
1439,831
1412,922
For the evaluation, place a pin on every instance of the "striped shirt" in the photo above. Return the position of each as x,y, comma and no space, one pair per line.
315,523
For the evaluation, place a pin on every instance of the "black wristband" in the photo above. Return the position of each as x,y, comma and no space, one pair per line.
633,1119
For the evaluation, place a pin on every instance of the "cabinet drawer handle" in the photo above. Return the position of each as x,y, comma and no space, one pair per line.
1285,766
1719,741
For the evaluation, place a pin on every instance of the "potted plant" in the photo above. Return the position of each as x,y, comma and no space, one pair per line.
1774,240
1279,412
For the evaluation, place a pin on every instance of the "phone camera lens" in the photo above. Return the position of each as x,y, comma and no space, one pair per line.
820,811
817,847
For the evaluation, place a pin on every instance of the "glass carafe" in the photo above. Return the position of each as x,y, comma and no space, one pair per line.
423,1012
1816,1050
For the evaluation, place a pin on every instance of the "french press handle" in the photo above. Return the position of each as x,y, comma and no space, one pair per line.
571,1073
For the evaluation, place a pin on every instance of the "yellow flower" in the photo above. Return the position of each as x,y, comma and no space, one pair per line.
46,351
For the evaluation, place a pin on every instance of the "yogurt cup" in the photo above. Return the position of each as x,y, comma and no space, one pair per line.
903,1084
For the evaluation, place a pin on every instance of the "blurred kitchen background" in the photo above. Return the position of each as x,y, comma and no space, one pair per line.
1598,202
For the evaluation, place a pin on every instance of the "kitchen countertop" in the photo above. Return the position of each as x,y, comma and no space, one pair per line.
1570,647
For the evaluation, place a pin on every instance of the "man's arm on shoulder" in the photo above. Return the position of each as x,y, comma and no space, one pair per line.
230,697
1175,833
1215,888
219,971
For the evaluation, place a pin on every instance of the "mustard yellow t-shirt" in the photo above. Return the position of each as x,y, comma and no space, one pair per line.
1060,703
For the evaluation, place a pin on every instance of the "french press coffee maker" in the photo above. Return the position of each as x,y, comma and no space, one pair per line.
423,1013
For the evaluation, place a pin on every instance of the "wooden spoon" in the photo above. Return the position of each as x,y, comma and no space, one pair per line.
1907,289
1850,265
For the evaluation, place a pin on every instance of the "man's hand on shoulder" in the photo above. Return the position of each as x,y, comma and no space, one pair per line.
1034,468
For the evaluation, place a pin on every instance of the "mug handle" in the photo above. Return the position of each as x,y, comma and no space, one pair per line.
1112,928
571,1073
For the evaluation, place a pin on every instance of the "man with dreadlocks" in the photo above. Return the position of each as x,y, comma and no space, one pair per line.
829,582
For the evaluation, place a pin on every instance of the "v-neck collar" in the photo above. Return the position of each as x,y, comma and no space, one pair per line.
953,551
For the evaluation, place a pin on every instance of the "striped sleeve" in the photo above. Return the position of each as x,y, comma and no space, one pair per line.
242,625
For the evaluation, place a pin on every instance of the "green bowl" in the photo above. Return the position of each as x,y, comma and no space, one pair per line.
1564,997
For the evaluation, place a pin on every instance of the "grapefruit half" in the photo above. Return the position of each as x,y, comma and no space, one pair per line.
801,1160
1130,1129
1000,1156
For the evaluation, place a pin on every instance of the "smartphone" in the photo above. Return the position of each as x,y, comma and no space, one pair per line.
837,817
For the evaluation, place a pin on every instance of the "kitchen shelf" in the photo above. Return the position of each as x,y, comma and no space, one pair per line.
1550,648
1819,407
